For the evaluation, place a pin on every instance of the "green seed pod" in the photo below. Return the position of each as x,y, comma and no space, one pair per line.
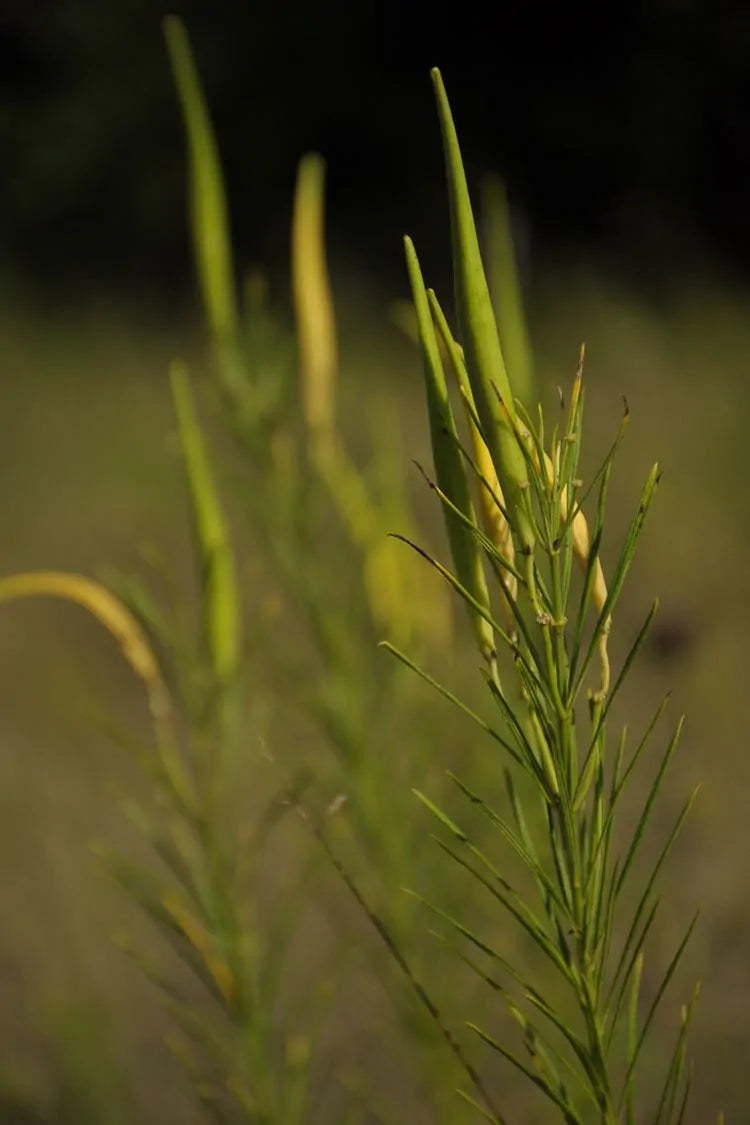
479,335
208,207
491,499
505,288
450,469
221,609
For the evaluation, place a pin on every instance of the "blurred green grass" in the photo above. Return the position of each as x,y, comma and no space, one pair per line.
91,473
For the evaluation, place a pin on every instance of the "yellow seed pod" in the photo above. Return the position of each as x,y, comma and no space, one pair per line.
582,551
581,539
313,300
110,612
491,498
494,522
117,619
450,469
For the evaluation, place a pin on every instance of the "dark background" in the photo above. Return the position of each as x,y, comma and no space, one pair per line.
623,130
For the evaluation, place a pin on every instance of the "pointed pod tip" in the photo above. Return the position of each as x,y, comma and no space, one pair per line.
176,37
442,97
178,369
312,157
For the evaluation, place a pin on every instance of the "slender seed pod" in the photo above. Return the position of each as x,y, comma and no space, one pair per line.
493,520
505,288
117,619
313,302
581,539
479,335
491,499
221,608
208,207
449,465
109,611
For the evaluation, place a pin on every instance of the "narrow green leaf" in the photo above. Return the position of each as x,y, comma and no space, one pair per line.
686,1099
455,354
513,904
625,968
480,1109
532,760
538,1044
580,1049
506,965
441,816
147,893
601,859
493,554
619,781
621,570
150,969
648,806
455,701
524,668
510,837
668,1110
164,847
655,1004
519,815
590,759
543,1060
633,1036
502,567
544,1051
570,446
602,477
569,1114
627,664
649,885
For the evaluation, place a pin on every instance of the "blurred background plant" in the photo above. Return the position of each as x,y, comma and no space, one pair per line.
230,775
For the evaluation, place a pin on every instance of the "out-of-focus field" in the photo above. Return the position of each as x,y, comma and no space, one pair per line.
90,473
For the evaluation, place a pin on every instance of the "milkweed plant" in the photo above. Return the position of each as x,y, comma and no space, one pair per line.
525,535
